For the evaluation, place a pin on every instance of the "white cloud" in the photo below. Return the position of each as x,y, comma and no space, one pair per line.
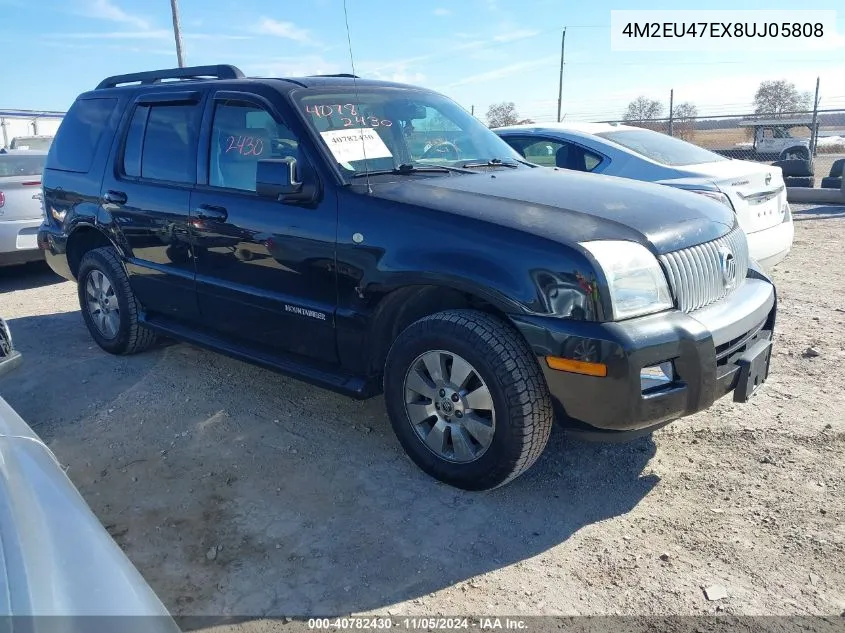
504,71
287,30
513,36
159,34
441,12
401,75
299,66
105,10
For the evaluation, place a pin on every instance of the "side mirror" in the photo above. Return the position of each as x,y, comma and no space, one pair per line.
276,178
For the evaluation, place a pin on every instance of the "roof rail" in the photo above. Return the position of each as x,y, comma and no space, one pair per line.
349,75
219,71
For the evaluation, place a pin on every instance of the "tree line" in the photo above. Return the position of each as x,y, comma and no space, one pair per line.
773,97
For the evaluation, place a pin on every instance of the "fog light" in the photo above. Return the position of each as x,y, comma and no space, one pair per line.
657,375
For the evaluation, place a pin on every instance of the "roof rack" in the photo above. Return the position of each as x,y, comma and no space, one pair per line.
349,75
219,71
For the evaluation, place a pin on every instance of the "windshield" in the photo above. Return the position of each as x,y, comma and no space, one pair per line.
21,165
662,148
383,128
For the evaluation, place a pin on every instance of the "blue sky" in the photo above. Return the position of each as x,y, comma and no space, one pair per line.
476,51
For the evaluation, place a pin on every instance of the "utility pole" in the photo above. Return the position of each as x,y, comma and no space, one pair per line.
560,85
177,32
671,110
814,131
472,110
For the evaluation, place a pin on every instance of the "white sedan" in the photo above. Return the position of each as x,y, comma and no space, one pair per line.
754,191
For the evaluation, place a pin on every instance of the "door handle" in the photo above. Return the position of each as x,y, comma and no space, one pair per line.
114,197
211,212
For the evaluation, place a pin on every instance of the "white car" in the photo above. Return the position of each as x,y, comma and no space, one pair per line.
56,559
754,191
20,205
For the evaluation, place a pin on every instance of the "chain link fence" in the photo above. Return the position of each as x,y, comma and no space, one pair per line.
768,139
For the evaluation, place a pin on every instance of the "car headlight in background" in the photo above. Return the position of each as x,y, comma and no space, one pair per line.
636,282
718,196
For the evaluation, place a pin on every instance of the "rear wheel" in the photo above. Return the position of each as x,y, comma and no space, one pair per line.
467,399
108,304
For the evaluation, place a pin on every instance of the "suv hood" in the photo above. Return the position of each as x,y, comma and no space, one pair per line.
569,206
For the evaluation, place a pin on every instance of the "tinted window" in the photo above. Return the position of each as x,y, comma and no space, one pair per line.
241,135
79,135
661,148
26,165
555,153
170,142
134,142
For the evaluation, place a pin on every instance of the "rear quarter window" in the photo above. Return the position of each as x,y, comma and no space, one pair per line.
80,134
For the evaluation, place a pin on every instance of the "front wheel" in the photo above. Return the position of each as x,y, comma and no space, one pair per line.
467,399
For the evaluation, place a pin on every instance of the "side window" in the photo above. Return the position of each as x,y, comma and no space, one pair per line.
541,152
243,133
161,143
134,142
79,135
562,154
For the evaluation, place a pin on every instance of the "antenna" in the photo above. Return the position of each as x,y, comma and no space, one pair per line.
357,96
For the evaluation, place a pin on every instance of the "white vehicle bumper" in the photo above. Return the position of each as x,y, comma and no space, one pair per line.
770,246
18,241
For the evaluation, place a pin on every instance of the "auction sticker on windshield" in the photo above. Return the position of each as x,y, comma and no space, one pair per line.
358,144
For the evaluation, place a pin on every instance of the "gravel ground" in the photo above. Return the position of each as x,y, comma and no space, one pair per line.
238,491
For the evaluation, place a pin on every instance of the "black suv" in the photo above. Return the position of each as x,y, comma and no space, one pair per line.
366,235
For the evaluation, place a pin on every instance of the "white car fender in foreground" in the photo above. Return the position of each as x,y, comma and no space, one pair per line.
56,559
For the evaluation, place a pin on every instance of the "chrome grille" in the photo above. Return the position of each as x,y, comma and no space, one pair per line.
695,274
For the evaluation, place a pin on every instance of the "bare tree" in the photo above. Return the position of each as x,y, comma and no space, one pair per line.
643,109
504,113
779,96
684,120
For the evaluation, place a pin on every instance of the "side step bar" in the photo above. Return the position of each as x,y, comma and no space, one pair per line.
327,378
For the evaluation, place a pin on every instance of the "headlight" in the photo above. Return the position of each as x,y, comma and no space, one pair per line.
636,281
718,196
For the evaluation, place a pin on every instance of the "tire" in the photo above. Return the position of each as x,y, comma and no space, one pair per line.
521,415
837,170
794,167
800,181
125,335
795,153
832,183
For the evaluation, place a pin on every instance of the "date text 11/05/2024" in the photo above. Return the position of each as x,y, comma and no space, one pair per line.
418,623
724,29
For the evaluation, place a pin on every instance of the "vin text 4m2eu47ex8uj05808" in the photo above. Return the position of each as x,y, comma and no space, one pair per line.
369,236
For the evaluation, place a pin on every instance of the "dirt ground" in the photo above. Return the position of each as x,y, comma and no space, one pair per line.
238,491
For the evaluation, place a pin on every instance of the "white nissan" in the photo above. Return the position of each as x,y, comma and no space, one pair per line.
754,191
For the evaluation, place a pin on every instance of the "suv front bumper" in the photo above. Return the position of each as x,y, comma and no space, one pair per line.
707,348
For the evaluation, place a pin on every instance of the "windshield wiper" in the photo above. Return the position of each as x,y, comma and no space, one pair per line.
407,168
493,162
